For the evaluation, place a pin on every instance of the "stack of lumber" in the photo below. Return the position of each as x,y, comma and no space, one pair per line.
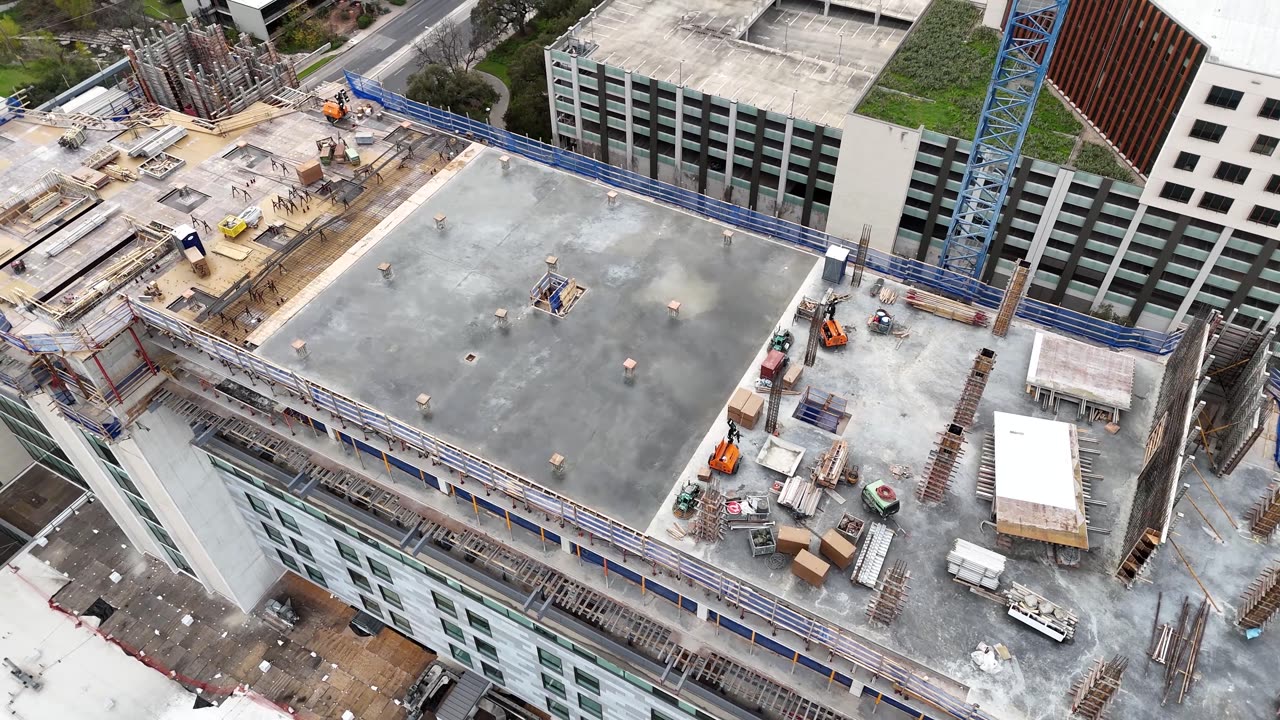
975,565
800,494
830,467
949,309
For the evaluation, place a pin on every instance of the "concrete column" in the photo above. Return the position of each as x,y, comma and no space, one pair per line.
551,97
731,150
96,477
1120,253
1205,270
784,168
679,135
826,7
196,507
577,100
13,457
626,93
1040,239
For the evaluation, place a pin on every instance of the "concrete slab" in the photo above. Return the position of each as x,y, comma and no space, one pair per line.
547,385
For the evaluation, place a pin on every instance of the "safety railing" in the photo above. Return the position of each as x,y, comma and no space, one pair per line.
632,542
906,269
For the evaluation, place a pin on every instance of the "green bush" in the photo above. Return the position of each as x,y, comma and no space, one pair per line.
1099,160
364,21
398,3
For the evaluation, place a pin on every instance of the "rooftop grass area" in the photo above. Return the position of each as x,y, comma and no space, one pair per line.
14,77
939,79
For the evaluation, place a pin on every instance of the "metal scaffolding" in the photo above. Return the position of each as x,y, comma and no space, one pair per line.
942,465
967,406
1013,293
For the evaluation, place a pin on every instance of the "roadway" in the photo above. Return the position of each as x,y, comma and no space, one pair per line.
389,47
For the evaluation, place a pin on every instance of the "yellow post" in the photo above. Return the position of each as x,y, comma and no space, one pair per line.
387,463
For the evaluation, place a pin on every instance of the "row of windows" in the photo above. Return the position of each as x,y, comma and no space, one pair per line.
1230,99
1213,132
1219,203
450,608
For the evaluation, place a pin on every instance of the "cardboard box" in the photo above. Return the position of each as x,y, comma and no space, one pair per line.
810,568
792,376
837,548
737,402
310,172
751,411
792,540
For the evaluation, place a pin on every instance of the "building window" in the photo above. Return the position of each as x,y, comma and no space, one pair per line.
1216,202
288,560
453,631
553,685
1224,97
391,596
586,681
479,623
460,655
400,622
492,673
143,509
380,570
549,661
590,706
347,552
1176,192
1265,216
360,580
274,534
302,548
1265,145
444,604
1205,130
557,709
1186,161
655,715
371,605
258,505
1270,109
487,649
288,522
316,576
1232,173
179,561
1273,185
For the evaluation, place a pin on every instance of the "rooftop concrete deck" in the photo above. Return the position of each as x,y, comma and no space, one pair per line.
550,385
900,397
786,57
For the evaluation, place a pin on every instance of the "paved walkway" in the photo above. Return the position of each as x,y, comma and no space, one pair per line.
499,108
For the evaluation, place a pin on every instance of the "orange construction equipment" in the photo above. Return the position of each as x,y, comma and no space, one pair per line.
726,455
336,109
833,334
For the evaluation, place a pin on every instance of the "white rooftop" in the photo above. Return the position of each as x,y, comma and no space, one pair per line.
1239,33
1038,491
81,675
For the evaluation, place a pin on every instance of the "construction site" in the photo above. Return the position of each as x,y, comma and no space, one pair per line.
856,495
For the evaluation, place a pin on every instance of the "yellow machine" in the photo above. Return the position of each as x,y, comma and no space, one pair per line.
232,225
726,455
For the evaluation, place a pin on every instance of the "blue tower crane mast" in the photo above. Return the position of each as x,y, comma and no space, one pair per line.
1025,50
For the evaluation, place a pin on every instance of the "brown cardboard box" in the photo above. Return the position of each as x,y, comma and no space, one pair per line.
310,172
810,568
792,540
751,411
837,548
791,376
737,402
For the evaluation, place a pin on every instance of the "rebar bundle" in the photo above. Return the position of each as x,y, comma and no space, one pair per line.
967,405
815,332
888,602
1092,694
1265,513
708,524
942,465
860,260
1261,600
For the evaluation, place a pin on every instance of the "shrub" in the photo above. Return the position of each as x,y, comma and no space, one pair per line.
398,3
1099,160
364,21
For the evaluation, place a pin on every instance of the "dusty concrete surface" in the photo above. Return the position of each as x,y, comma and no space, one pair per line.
900,397
34,499
550,385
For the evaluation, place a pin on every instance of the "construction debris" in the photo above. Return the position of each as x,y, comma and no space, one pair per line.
1261,601
1048,618
888,602
1265,513
1094,691
801,495
830,468
1183,650
942,307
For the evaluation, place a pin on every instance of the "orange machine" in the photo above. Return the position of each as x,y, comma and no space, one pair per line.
336,109
833,334
726,455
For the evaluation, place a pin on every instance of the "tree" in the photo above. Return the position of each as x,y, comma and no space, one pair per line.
527,112
462,91
9,31
78,11
448,45
502,15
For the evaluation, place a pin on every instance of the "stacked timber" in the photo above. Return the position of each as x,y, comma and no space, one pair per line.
801,495
943,307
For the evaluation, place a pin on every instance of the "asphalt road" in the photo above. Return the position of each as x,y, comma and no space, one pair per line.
397,33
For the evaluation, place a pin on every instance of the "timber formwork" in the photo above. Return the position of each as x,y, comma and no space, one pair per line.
1092,694
1261,601
974,384
1013,293
942,465
1243,414
1264,516
192,68
887,604
544,584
